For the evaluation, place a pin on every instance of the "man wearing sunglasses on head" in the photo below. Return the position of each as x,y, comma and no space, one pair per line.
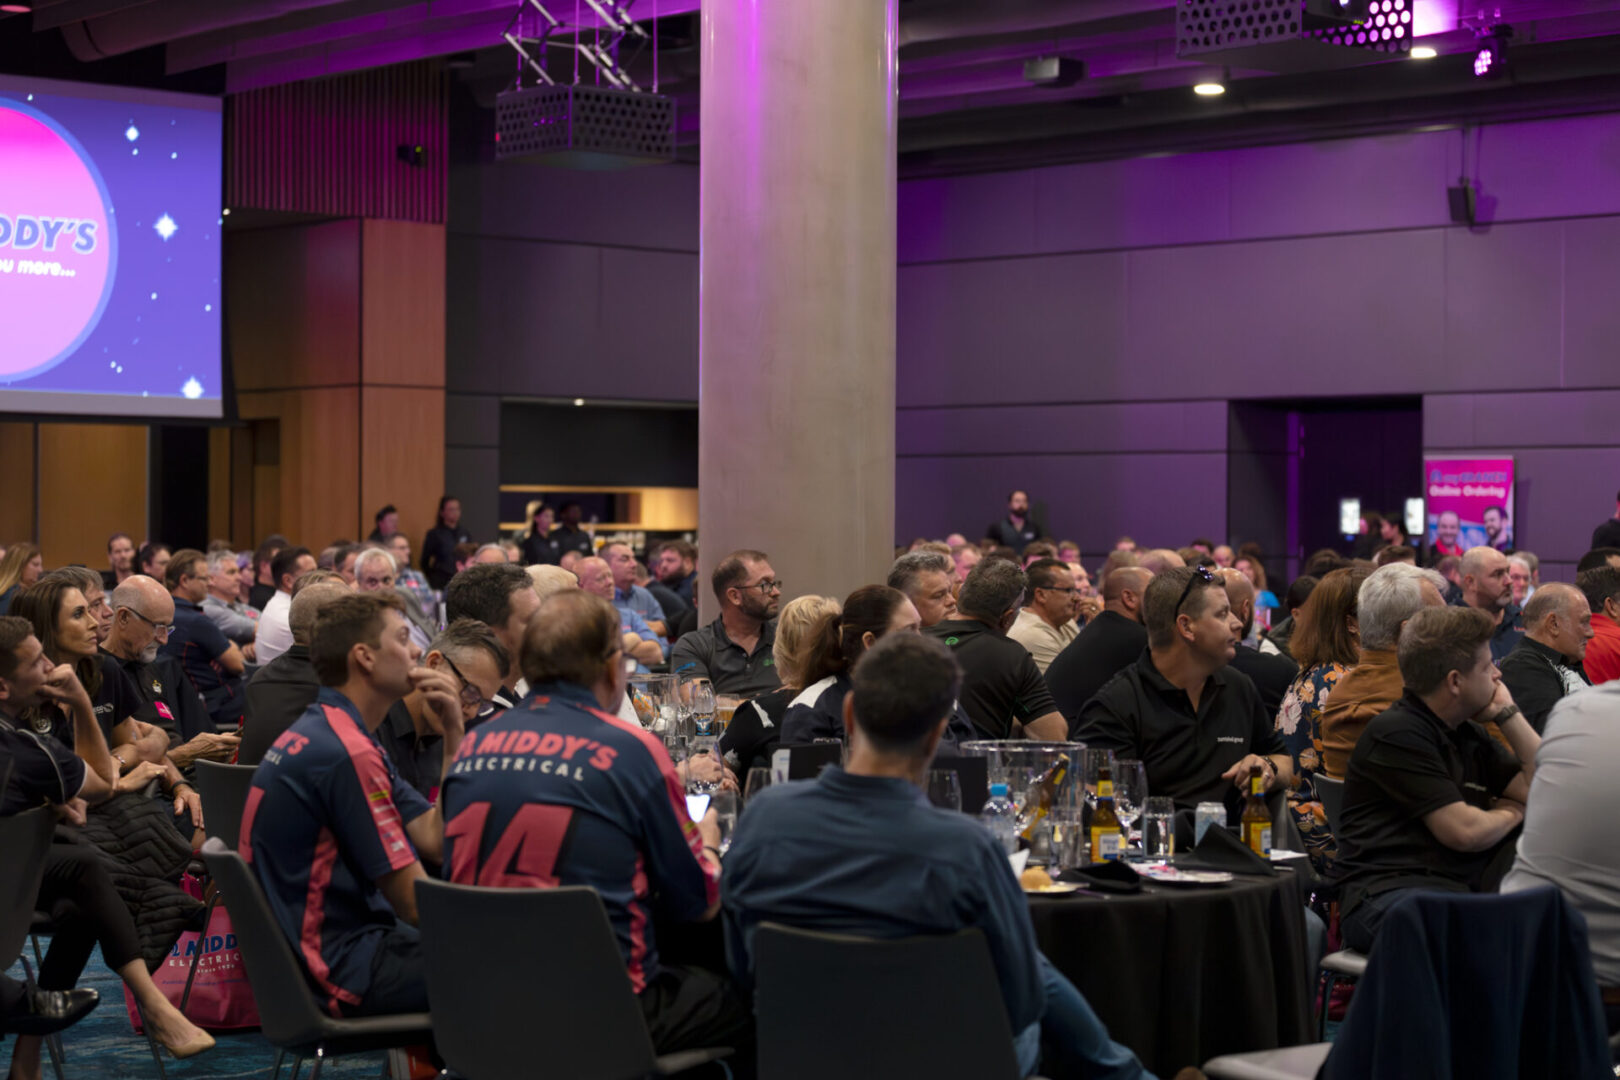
1196,724
470,653
734,651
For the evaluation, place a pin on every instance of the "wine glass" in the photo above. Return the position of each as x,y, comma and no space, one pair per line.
698,696
1130,792
759,778
945,789
724,804
704,772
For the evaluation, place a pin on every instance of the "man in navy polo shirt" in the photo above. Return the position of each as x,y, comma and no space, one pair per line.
330,828
846,854
559,791
212,662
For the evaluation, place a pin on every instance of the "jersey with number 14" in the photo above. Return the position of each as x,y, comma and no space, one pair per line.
557,792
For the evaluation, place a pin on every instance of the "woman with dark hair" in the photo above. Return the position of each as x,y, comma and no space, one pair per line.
1326,644
538,547
439,546
837,642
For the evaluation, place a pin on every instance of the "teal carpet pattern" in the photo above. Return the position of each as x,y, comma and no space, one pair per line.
102,1046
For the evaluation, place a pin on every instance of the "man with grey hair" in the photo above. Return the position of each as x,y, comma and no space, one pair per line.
1546,665
1001,686
223,604
375,570
489,553
1486,587
928,580
1388,598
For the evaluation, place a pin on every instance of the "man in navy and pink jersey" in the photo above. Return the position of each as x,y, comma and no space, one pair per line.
330,828
560,791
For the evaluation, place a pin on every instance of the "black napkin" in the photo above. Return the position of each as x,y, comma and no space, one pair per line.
1113,876
1220,849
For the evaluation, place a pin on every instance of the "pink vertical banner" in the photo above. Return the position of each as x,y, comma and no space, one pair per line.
1468,503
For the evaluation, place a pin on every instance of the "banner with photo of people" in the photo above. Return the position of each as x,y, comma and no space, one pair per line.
1469,503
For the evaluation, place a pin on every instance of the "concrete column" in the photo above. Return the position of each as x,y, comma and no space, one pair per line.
797,278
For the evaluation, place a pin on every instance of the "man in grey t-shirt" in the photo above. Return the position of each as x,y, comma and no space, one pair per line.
1568,838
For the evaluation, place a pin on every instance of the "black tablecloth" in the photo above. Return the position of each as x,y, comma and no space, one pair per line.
1181,975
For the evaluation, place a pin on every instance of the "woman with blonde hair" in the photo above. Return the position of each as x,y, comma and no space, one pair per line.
20,567
756,726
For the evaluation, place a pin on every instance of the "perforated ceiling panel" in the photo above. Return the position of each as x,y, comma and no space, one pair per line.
1292,35
587,126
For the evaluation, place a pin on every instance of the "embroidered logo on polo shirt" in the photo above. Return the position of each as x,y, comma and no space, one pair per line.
770,661
1231,738
157,687
952,640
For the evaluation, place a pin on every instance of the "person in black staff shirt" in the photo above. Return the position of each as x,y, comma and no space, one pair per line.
502,597
1001,686
1546,666
1019,527
281,690
540,548
387,521
1607,535
439,546
1429,797
1109,644
212,662
734,651
1194,723
469,653
1272,675
74,886
569,536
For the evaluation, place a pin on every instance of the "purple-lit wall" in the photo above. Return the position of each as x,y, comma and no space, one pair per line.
1079,330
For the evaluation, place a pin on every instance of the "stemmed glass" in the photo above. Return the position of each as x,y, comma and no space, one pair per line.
697,694
1130,792
759,778
945,789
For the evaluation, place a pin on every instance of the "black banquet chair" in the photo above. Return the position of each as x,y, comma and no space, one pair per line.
289,1016
808,985
529,982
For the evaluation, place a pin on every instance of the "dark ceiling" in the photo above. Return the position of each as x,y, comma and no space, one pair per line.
965,102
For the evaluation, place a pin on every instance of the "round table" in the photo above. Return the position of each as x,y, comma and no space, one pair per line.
1180,974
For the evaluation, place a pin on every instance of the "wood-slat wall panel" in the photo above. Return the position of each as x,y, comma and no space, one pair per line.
92,483
329,146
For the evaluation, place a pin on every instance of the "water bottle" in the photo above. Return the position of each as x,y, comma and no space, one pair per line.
1001,818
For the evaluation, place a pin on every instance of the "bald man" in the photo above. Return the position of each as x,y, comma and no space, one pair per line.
1160,559
1272,674
1486,587
1545,666
1109,644
640,642
281,690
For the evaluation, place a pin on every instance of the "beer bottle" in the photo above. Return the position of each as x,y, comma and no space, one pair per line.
1256,818
1038,802
1106,841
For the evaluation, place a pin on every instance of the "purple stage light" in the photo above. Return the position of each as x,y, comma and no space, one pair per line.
1485,59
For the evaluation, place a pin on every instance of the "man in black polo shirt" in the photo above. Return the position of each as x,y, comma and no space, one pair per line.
1109,644
1001,686
1545,666
1429,797
734,651
569,536
1019,527
1197,725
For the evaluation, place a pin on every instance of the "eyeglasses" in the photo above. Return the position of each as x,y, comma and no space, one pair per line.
764,587
161,628
471,696
1071,590
1200,573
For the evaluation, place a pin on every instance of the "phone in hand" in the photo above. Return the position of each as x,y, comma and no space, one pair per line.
697,806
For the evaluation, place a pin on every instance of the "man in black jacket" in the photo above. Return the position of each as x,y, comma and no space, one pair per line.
1546,665
280,691
1019,526
1109,644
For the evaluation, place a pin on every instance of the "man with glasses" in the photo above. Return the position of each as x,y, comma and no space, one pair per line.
1197,725
734,651
1046,624
475,659
212,662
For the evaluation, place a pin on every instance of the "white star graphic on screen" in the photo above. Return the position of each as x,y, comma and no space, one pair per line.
132,133
192,389
165,226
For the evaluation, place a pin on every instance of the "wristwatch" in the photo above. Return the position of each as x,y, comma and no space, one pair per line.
1506,714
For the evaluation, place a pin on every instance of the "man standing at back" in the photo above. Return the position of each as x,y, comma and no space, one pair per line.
559,791
734,651
1109,644
844,854
332,831
1018,527
1486,587
1001,686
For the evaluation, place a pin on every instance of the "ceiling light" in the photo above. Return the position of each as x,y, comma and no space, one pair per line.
579,401
1209,89
16,9
1490,57
1423,52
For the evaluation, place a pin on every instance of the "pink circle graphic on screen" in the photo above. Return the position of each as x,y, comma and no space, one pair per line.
56,243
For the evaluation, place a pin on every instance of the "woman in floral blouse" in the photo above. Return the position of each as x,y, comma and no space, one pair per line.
1325,644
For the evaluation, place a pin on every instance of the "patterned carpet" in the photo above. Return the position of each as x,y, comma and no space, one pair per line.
102,1046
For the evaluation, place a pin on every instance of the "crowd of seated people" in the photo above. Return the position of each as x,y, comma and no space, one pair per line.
375,698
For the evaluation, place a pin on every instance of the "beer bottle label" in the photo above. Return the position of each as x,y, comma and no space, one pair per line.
1105,789
1257,785
1107,843
1260,839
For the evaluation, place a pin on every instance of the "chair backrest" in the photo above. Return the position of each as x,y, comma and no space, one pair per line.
1491,987
833,1005
224,791
528,981
24,839
1331,792
289,1015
